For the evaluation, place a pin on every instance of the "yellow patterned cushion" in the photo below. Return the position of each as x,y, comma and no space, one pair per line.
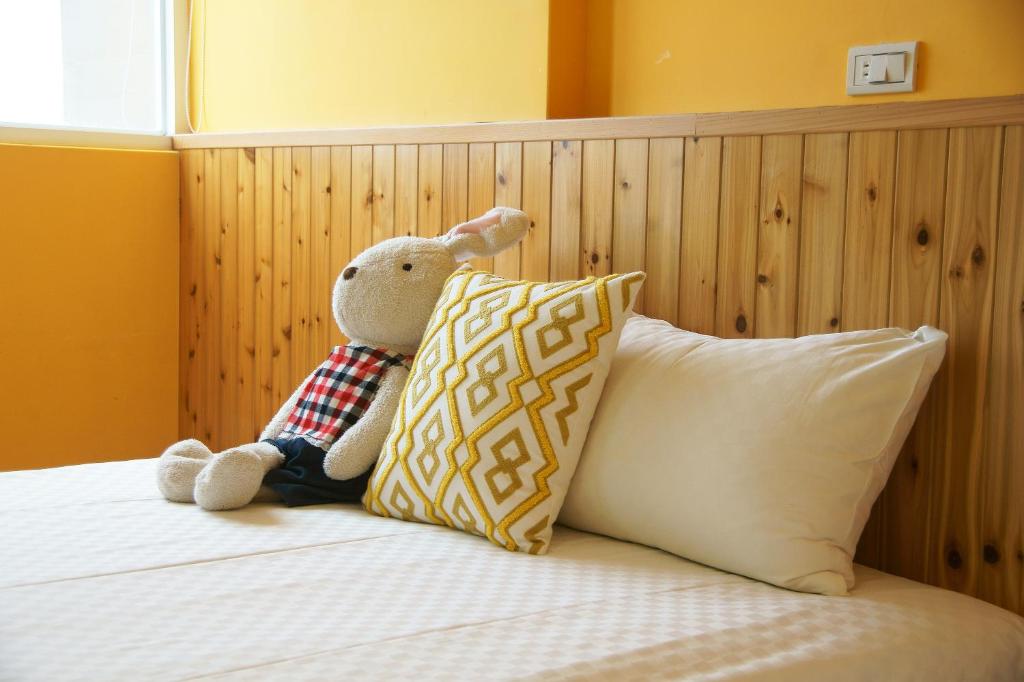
498,404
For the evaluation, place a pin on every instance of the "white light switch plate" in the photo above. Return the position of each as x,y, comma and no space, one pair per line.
901,67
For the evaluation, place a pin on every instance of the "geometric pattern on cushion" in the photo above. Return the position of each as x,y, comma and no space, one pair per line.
497,407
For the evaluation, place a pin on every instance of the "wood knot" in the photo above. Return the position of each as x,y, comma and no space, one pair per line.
501,179
192,291
250,153
956,272
978,255
199,179
286,331
1020,555
778,213
275,352
191,353
953,559
429,194
990,554
872,193
533,224
914,464
834,322
625,184
922,235
696,140
594,258
762,279
369,197
327,189
223,375
565,144
741,323
216,260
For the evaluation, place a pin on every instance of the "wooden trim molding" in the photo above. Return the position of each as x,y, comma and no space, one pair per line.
890,116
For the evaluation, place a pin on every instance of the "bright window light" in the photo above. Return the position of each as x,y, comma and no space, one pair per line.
94,64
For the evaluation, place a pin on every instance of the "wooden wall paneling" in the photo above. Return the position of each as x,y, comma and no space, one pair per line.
629,210
822,226
598,177
664,216
914,301
972,197
1001,577
362,199
566,188
341,225
481,190
228,304
778,239
508,191
193,250
870,192
454,186
383,207
536,246
430,181
281,297
263,314
698,257
321,278
737,237
245,349
302,360
210,406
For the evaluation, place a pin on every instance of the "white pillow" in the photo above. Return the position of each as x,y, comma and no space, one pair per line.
757,456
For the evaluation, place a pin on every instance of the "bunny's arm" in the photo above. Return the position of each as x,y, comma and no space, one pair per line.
359,447
276,425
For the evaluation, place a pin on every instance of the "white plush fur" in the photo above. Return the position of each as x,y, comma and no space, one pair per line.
382,299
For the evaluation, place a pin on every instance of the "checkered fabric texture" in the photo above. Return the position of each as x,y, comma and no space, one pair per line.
339,393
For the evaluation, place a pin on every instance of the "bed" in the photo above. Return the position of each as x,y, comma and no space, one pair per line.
103,579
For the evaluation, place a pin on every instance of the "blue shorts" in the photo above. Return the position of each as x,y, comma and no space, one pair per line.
301,480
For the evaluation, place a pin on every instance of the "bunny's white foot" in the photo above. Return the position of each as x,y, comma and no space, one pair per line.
233,478
178,468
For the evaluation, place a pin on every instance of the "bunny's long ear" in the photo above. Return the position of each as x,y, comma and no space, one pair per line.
487,235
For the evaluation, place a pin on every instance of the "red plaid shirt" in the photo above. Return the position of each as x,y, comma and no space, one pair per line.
338,393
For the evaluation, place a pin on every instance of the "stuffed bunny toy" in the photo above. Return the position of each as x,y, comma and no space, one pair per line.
322,443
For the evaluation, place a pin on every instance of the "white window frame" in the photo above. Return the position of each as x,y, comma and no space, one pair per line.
174,26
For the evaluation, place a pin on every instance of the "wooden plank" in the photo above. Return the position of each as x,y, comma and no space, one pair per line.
698,257
321,319
737,237
972,199
281,297
481,190
406,189
822,226
302,362
264,286
454,186
193,291
596,211
778,238
210,410
228,306
629,210
845,118
664,219
914,301
383,209
1001,578
508,191
430,182
245,350
362,199
870,191
566,179
341,225
536,246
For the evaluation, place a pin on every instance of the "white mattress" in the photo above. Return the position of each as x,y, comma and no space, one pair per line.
102,579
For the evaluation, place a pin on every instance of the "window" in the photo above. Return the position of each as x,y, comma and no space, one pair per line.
92,64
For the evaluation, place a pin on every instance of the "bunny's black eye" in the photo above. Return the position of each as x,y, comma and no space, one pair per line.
407,267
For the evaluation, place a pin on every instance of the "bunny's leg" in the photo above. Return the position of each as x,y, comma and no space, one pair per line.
233,478
178,468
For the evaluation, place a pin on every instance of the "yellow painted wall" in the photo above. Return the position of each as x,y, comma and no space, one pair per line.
88,304
334,63
665,56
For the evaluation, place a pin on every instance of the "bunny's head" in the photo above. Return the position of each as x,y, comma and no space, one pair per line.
385,296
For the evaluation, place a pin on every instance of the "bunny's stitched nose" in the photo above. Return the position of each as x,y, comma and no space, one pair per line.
349,272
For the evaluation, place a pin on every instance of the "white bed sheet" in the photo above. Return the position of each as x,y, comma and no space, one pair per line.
102,579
